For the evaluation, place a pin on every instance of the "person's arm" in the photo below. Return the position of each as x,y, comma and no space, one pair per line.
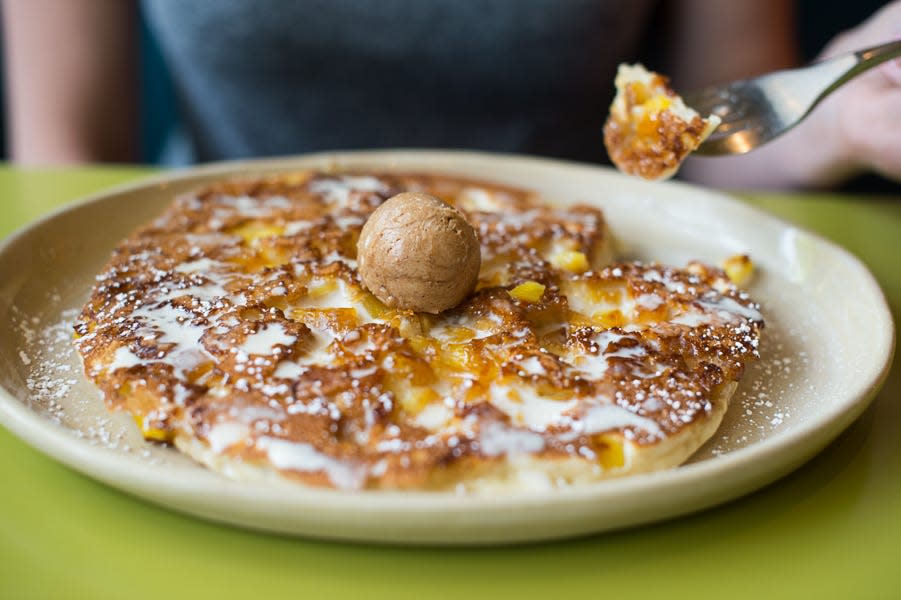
71,80
856,129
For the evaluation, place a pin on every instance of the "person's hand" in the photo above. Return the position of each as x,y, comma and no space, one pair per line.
865,115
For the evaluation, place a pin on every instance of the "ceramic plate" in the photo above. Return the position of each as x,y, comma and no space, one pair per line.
826,348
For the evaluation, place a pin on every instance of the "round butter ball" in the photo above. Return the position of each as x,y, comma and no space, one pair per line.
416,252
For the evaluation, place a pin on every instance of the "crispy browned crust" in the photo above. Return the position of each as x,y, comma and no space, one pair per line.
652,157
651,148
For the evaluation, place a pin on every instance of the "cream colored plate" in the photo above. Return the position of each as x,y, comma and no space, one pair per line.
827,346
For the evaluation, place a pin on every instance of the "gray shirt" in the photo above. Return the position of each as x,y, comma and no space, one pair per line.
275,77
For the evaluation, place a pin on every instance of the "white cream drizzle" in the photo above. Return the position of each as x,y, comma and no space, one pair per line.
434,416
518,220
173,325
207,292
691,319
608,417
123,358
338,257
339,297
478,199
528,409
496,439
225,435
337,191
197,266
265,340
728,309
317,353
295,227
296,456
532,366
348,221
248,206
287,369
649,301
591,365
603,416
594,365
720,310
211,239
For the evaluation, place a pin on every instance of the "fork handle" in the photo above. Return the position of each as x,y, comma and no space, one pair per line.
861,61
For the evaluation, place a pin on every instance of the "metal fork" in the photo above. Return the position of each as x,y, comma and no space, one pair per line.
754,111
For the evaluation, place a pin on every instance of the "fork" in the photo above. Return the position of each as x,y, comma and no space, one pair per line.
754,111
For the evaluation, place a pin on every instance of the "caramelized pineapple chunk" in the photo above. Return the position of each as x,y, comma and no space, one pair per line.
252,231
153,434
610,454
739,269
571,260
530,291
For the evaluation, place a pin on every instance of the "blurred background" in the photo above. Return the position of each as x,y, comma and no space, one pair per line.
818,21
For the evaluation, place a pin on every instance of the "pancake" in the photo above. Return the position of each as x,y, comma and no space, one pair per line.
650,130
235,326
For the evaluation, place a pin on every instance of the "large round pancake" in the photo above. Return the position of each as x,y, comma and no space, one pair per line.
605,372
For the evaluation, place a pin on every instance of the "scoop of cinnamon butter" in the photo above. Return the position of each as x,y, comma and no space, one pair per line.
419,253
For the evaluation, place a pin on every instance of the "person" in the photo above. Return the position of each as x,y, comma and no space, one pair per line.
534,76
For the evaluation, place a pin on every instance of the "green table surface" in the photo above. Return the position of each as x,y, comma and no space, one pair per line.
832,529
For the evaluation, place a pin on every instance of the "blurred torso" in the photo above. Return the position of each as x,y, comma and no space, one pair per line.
272,77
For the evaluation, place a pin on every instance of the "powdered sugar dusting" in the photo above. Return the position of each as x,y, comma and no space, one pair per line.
55,387
50,376
759,409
